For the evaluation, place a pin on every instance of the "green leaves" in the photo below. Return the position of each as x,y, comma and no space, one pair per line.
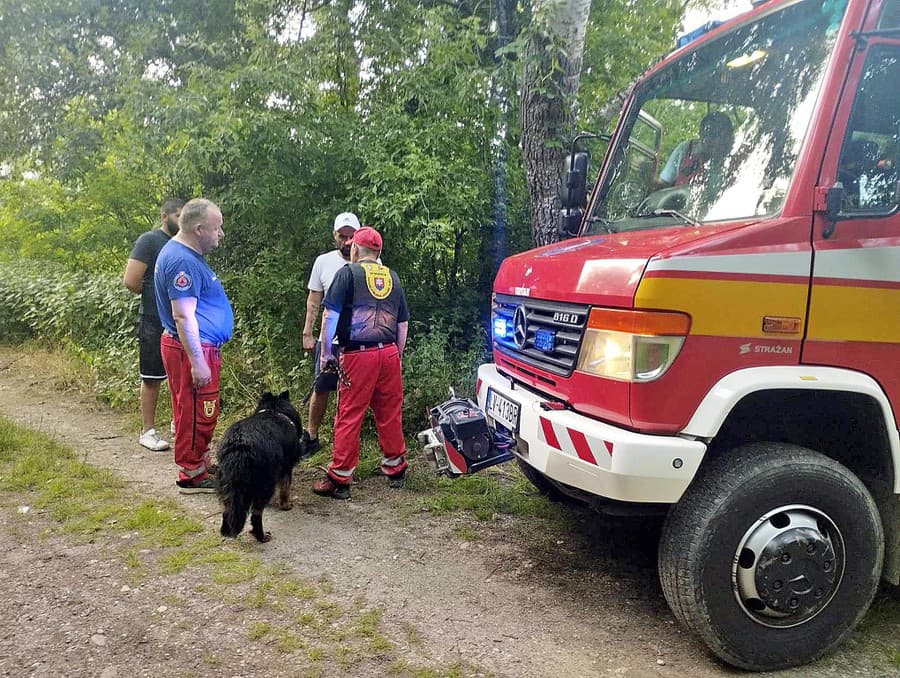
404,112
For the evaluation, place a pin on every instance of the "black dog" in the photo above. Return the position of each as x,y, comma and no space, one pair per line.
255,455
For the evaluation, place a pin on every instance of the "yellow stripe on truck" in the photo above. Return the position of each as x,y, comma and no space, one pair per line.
727,308
854,313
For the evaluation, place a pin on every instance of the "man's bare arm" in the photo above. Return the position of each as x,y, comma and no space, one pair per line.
402,330
313,304
134,275
184,311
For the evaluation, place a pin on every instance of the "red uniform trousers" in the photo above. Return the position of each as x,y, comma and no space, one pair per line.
195,411
375,381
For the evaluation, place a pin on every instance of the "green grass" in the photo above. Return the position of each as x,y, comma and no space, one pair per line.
295,589
236,571
487,495
367,623
259,630
466,533
307,619
211,660
288,641
403,668
258,597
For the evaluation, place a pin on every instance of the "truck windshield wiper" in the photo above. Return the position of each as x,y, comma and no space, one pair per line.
688,220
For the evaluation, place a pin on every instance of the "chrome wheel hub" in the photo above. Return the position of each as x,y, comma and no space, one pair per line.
788,566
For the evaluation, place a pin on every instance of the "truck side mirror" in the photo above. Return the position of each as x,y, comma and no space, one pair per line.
834,198
570,222
573,192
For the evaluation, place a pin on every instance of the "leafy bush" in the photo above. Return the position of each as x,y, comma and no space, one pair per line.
268,295
91,316
431,365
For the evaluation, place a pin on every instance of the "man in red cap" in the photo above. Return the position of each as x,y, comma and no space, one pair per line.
365,308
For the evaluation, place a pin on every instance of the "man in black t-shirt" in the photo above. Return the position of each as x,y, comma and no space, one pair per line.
365,307
138,278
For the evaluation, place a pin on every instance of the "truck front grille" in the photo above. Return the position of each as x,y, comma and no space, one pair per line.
553,332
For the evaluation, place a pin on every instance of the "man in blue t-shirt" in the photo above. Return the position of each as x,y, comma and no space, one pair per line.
197,319
138,279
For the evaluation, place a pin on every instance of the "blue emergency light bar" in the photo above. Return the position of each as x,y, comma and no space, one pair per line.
696,33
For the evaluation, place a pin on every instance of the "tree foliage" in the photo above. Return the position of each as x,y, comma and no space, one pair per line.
286,112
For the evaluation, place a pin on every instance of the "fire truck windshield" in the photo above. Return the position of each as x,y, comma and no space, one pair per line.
733,114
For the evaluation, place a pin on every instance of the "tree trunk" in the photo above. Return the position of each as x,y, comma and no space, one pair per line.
551,74
506,12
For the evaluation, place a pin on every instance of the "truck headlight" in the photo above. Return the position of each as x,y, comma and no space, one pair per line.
631,345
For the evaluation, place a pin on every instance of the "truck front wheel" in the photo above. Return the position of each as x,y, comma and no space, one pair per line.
772,555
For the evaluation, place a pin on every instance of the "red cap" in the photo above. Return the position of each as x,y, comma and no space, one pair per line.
369,238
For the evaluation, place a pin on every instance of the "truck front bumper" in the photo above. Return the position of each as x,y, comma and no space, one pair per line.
590,455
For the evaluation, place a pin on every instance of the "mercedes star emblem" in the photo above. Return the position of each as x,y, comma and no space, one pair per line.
520,327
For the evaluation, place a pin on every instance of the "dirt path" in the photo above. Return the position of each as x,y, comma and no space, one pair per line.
518,600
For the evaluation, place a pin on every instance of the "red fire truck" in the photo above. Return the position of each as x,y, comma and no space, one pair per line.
720,334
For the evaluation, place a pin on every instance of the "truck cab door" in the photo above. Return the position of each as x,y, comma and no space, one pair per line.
854,309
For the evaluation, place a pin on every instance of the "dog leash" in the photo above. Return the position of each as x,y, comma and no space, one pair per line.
342,376
331,367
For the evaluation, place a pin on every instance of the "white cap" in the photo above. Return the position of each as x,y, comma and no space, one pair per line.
346,219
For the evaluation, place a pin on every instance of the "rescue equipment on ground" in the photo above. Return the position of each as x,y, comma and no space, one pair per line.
461,441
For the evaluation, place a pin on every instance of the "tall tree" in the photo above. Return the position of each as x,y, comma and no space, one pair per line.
579,58
551,75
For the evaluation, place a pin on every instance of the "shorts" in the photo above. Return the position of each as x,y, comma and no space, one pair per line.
150,362
324,383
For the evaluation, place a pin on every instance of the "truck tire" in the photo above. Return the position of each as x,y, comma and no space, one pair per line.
772,555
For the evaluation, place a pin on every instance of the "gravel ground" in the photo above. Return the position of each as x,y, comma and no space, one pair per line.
512,598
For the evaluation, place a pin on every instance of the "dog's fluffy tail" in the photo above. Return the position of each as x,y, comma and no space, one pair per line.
233,494
234,517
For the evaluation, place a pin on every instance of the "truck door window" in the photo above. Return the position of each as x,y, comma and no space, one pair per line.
890,16
733,115
867,166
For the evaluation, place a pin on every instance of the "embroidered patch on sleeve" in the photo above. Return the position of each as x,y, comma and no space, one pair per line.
182,281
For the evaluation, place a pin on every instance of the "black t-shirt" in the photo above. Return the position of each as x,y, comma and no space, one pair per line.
146,249
371,302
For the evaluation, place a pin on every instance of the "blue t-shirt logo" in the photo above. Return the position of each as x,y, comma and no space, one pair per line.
182,281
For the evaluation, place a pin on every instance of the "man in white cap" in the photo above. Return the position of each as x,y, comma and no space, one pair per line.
346,224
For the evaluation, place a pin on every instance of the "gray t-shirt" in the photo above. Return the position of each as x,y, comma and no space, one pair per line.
146,250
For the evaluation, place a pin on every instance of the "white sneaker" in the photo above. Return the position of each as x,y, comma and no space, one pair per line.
151,441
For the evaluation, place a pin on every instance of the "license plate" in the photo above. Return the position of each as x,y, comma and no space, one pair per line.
503,410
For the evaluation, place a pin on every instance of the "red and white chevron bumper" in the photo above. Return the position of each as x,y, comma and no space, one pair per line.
588,454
